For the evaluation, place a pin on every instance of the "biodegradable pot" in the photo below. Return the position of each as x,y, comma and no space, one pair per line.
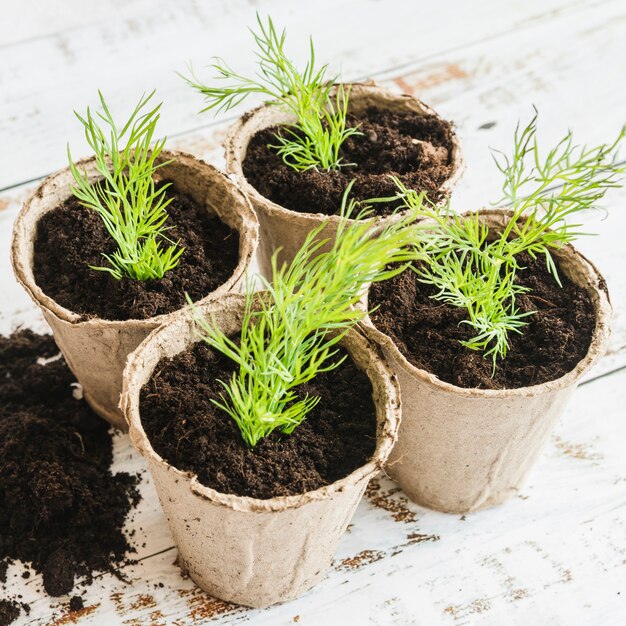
460,450
240,549
285,229
96,349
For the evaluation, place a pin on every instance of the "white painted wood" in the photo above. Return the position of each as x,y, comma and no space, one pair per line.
556,554
139,47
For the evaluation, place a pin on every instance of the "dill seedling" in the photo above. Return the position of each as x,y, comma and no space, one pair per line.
127,199
314,141
474,269
291,335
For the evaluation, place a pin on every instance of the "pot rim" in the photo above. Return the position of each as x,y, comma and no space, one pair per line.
239,136
377,368
23,265
598,345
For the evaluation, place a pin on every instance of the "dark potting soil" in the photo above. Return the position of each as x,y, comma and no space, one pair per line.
71,237
61,509
415,148
191,433
10,610
428,332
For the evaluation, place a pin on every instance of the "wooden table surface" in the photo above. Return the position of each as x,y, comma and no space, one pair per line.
554,555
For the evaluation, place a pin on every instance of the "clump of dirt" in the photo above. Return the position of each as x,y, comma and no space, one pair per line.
61,508
10,610
413,147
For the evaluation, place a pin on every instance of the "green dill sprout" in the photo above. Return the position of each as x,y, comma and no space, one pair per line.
127,198
475,269
291,335
315,140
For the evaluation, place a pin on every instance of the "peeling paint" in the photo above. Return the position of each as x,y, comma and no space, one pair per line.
125,604
398,506
363,558
579,451
202,606
414,538
116,598
415,83
480,605
155,618
519,594
74,616
143,601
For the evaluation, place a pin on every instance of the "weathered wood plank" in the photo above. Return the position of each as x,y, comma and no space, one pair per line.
25,21
138,48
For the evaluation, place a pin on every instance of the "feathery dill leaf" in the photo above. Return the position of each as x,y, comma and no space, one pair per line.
126,197
315,139
303,314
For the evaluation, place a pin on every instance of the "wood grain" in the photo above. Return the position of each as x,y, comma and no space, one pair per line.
139,47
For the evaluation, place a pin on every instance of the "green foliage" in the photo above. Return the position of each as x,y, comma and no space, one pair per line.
292,334
476,272
314,141
132,208
544,192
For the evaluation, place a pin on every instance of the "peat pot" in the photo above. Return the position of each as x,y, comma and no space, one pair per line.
287,229
254,552
462,449
94,348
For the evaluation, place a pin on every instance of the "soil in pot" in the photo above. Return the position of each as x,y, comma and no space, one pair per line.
191,433
61,508
71,237
413,147
428,332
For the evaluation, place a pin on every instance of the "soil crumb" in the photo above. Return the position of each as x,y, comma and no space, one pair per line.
9,611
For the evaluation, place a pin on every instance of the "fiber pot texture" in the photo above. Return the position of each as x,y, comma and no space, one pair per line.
96,349
245,550
460,450
285,229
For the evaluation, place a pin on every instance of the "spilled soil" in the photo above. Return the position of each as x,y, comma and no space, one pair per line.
10,610
61,509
